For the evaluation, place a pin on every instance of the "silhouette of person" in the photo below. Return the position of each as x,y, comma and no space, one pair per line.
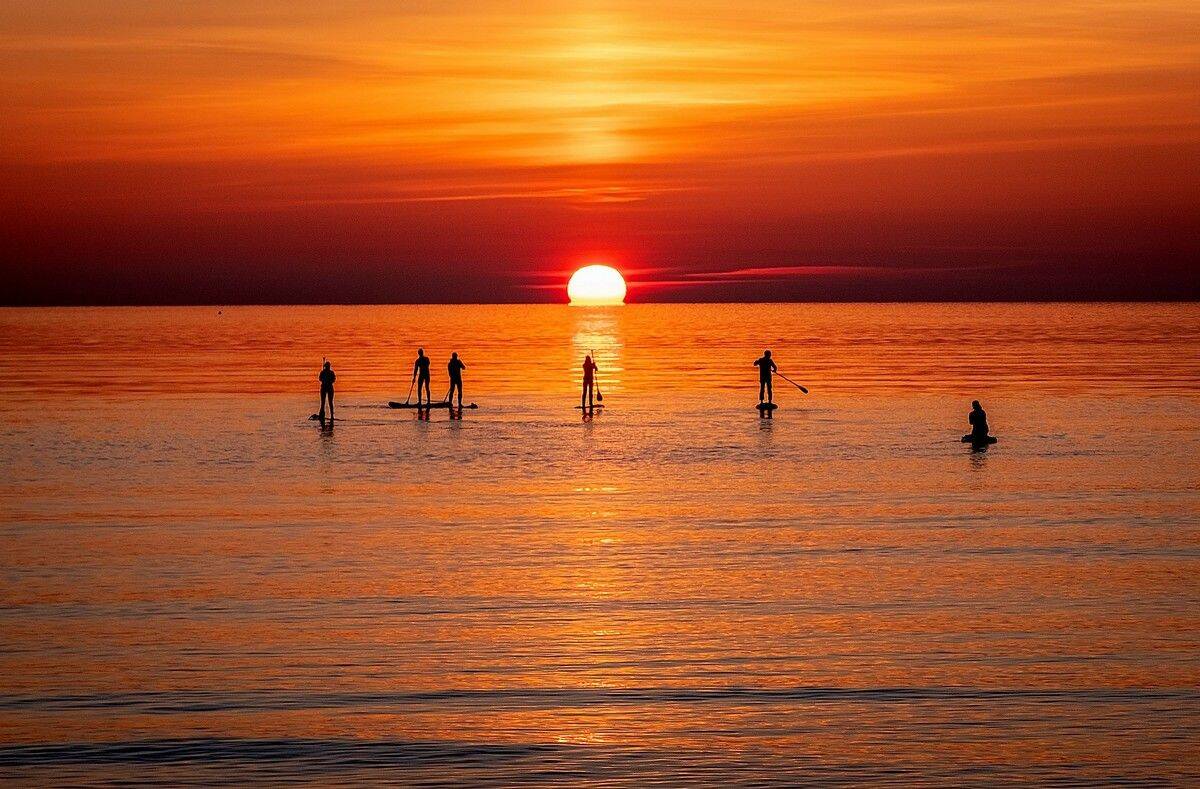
978,420
326,377
766,365
455,367
421,373
589,379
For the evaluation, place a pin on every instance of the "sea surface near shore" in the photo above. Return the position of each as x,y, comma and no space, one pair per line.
199,584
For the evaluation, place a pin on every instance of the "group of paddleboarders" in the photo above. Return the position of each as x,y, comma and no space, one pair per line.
767,369
421,378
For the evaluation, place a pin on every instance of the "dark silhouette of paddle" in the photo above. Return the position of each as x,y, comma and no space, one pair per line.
411,384
596,381
790,381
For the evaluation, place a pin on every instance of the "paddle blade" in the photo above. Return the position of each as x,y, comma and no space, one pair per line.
802,389
599,394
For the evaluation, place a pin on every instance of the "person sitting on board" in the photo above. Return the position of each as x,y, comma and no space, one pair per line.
326,377
589,377
978,420
421,373
455,367
766,365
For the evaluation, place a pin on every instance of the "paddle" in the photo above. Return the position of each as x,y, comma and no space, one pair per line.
790,381
596,382
411,384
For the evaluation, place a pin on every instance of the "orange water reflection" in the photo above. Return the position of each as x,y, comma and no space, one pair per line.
183,562
537,349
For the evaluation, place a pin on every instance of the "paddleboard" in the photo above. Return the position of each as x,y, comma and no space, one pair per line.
766,406
589,407
424,406
970,439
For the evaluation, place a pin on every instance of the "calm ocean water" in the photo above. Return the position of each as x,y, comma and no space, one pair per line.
198,584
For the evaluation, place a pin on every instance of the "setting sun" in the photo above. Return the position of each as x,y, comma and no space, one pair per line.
596,286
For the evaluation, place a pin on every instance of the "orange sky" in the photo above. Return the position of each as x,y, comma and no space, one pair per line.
380,151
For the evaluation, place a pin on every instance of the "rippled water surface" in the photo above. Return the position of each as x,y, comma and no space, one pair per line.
199,584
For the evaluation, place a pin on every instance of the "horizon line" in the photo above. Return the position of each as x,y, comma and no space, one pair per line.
231,304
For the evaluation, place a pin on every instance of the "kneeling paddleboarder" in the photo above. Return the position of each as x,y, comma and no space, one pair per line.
979,426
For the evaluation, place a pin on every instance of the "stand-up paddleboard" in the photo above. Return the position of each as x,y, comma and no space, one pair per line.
425,406
766,406
589,407
979,442
316,417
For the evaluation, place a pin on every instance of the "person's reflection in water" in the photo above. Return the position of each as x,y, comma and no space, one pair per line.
766,413
327,454
588,413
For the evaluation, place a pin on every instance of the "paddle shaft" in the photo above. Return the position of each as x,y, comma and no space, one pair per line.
790,381
595,381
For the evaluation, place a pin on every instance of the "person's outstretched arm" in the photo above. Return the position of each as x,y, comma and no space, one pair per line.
774,367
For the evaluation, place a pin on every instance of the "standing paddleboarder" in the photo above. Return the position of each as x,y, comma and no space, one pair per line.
326,377
455,368
421,375
589,382
766,366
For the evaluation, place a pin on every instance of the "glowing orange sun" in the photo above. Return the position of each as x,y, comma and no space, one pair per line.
596,286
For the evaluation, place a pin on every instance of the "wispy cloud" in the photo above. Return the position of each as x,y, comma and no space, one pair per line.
596,195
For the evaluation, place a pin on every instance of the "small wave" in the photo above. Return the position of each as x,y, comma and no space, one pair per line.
185,702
